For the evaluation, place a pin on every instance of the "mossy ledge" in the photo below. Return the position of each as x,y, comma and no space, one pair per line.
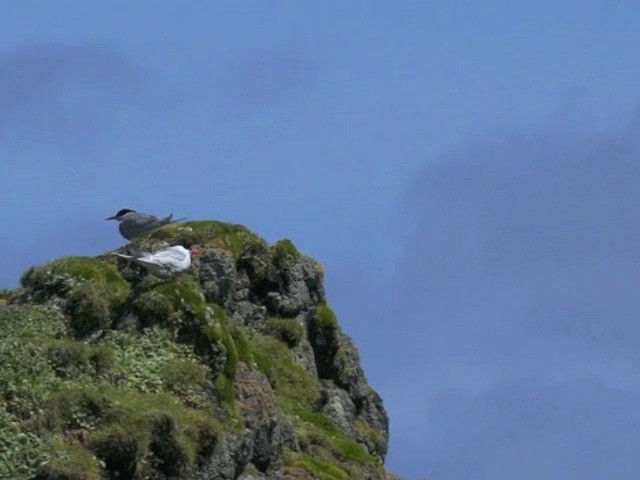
238,366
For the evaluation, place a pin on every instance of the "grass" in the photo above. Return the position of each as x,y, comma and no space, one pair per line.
322,468
126,428
227,236
69,462
74,405
295,388
288,330
61,276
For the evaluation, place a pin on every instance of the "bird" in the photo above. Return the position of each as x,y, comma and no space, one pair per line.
135,225
166,263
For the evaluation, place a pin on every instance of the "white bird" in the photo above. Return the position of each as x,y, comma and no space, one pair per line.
166,263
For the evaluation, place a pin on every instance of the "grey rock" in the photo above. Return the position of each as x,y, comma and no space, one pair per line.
230,455
217,271
303,356
313,277
271,429
247,313
339,407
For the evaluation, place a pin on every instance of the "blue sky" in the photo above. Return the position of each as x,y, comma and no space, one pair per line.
466,172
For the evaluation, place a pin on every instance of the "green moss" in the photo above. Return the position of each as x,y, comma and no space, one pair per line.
69,462
126,427
219,331
187,298
71,357
322,468
154,308
289,330
295,388
316,429
242,345
284,253
61,276
230,237
375,439
88,309
326,318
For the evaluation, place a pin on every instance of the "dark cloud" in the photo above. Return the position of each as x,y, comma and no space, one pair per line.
521,259
43,85
525,244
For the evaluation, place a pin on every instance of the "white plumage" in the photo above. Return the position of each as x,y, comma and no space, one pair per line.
165,263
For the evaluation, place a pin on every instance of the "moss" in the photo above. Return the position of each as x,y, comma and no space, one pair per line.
180,373
71,357
319,430
284,253
154,308
187,298
61,276
88,309
322,468
289,330
127,430
242,345
230,237
295,388
375,439
219,331
69,462
326,318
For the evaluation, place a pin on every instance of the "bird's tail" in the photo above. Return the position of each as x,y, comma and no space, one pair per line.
122,255
169,219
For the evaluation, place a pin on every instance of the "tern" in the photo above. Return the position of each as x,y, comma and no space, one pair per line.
134,224
166,263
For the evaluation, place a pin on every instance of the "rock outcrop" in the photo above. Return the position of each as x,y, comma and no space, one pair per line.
237,370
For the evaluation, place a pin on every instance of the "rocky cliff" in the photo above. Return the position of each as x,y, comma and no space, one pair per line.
237,370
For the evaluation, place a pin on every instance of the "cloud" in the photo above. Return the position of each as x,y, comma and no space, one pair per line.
520,261
529,243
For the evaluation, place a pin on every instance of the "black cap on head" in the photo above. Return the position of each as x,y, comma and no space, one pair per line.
120,213
186,245
124,211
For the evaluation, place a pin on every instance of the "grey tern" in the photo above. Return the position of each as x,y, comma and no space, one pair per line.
134,224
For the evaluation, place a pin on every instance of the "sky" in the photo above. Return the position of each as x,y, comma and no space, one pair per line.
466,173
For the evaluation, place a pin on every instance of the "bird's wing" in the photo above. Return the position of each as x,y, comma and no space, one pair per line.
169,256
146,220
121,255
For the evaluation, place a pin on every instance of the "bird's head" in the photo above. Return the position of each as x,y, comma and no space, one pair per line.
195,250
121,213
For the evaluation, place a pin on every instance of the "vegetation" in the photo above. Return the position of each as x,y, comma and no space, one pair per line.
295,388
289,330
137,379
227,236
